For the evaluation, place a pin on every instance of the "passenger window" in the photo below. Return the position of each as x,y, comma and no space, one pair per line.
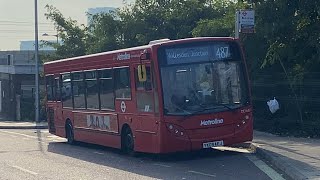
57,82
106,85
145,101
122,83
78,90
66,93
50,85
147,85
92,96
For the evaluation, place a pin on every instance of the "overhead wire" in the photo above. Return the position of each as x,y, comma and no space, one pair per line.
10,28
22,22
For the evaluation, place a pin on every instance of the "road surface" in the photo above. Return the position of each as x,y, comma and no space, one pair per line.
36,154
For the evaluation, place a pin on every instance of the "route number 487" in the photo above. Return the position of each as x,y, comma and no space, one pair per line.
222,52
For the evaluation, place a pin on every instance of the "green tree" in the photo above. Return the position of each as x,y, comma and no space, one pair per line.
72,37
291,31
148,20
104,33
222,20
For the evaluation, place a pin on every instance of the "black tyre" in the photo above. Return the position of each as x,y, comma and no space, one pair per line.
128,142
69,134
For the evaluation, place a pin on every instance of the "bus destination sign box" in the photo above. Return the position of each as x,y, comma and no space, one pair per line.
198,53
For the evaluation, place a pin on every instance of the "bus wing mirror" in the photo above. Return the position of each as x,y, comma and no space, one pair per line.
145,55
142,73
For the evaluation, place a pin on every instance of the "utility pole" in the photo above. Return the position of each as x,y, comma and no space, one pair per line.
236,29
37,61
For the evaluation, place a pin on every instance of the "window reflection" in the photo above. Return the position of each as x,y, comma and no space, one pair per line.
92,90
106,89
66,93
79,89
122,83
188,88
50,87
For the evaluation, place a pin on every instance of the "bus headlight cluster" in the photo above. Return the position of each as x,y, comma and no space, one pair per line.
176,130
244,121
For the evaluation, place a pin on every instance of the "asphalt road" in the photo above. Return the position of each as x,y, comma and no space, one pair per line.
36,154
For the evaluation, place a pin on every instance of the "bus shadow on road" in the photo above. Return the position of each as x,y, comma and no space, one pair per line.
164,166
87,149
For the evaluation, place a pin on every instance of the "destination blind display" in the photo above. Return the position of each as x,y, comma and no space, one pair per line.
198,53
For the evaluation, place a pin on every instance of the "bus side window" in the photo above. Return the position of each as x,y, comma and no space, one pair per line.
146,85
78,90
50,87
92,89
106,88
66,94
57,82
122,83
144,92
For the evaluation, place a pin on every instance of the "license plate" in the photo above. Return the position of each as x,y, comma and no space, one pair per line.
212,144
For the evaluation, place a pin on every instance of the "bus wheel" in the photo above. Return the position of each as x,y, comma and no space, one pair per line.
69,132
128,142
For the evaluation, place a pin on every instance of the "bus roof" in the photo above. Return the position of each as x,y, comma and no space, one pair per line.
152,43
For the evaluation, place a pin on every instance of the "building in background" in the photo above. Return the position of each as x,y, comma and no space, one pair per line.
17,84
98,10
29,46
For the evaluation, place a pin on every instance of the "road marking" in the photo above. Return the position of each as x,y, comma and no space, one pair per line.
98,153
204,174
162,165
265,168
56,140
27,136
24,170
44,130
225,148
52,136
34,137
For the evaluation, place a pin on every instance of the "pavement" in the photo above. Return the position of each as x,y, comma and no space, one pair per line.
297,158
23,125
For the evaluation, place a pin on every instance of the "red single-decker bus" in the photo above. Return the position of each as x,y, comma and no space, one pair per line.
167,96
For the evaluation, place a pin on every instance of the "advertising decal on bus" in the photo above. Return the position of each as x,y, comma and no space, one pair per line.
102,122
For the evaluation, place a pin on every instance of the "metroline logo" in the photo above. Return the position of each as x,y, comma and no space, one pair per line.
124,56
211,122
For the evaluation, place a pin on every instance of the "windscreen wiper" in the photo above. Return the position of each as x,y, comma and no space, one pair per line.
214,106
183,110
204,108
224,105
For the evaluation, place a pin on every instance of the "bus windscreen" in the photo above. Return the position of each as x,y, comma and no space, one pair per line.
202,78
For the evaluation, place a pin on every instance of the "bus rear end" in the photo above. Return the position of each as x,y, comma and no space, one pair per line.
205,94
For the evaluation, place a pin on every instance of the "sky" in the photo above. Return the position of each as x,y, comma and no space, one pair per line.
17,18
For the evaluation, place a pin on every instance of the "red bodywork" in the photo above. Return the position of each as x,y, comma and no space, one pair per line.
150,130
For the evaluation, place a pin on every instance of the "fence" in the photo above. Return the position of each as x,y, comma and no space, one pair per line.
304,97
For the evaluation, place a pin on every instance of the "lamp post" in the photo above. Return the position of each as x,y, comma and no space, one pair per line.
37,61
56,35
